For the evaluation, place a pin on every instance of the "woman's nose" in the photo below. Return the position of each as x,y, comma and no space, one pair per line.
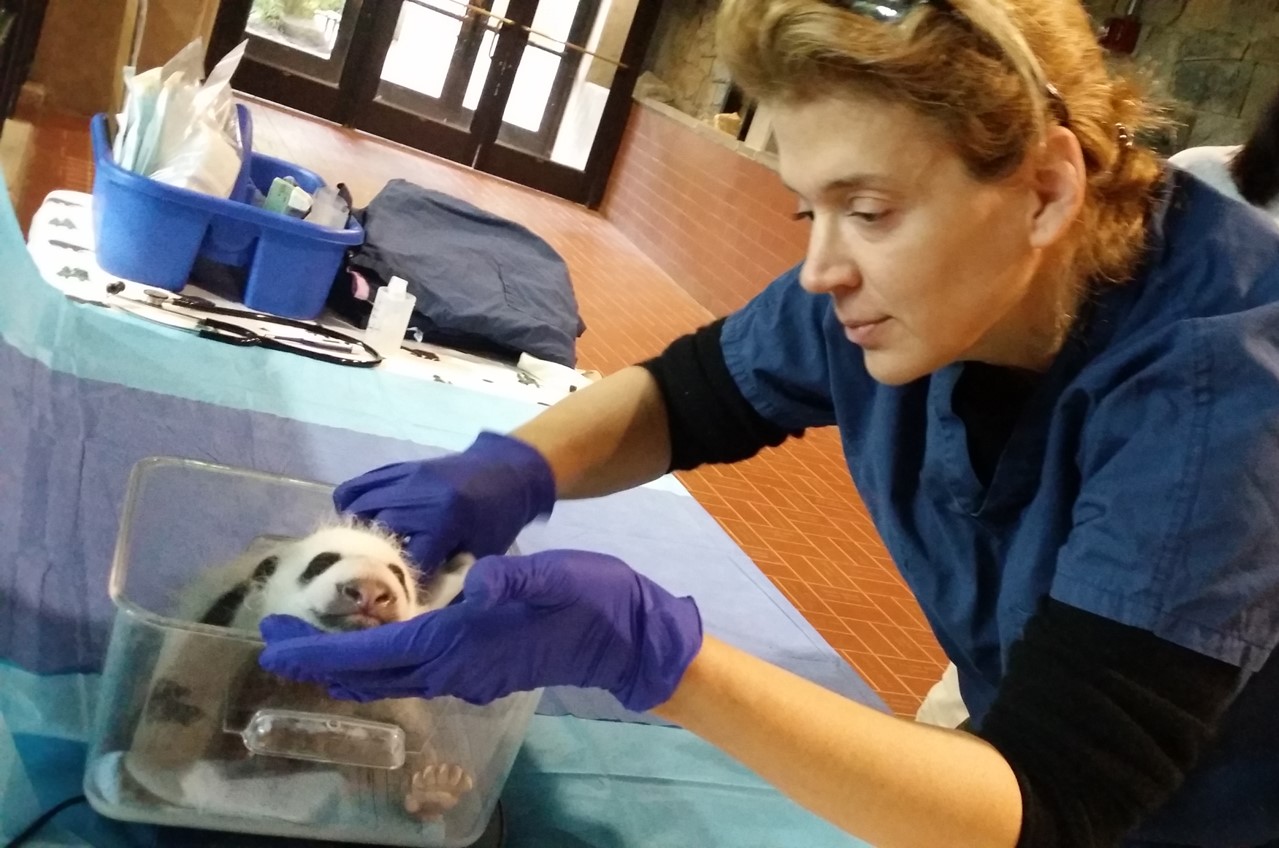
829,264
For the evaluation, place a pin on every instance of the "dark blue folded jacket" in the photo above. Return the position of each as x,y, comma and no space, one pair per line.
482,282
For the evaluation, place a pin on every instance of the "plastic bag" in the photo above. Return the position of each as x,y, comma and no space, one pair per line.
181,132
215,101
205,162
139,108
139,120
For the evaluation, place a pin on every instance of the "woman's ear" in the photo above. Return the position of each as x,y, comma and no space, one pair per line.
1059,181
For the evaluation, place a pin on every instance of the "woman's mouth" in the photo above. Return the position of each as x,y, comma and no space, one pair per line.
864,333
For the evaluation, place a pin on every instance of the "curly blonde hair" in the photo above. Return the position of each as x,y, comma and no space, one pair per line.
983,81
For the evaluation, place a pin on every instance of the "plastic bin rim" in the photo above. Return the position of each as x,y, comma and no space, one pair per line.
119,566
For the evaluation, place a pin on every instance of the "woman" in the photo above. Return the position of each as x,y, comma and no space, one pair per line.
1053,366
1247,172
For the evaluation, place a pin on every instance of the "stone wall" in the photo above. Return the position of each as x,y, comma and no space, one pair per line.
683,56
1218,59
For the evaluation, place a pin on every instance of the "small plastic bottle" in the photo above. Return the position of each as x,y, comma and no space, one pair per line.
389,321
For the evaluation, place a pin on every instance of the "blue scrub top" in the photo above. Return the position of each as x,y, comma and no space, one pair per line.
1140,483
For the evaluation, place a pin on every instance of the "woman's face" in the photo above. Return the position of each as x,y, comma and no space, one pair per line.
926,265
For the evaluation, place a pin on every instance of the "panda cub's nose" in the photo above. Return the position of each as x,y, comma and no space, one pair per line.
367,593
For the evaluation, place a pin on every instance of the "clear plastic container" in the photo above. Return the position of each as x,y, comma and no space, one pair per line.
190,732
389,320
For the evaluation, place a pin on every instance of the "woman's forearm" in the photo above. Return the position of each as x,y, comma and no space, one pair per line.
610,436
889,781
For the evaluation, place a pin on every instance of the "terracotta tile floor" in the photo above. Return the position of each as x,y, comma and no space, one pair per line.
793,510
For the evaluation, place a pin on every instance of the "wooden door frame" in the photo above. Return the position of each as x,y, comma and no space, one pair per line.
299,90
18,45
617,111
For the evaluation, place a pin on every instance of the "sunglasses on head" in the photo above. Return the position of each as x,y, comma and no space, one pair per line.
893,11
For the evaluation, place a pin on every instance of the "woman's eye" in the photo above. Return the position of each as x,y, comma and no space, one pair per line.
868,214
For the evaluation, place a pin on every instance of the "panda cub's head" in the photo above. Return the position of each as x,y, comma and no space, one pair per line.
345,577
339,578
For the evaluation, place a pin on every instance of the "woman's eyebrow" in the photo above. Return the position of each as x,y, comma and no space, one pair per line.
847,183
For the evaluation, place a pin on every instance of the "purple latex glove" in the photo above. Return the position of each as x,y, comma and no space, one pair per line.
556,618
475,501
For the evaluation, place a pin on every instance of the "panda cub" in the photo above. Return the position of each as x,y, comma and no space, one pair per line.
343,577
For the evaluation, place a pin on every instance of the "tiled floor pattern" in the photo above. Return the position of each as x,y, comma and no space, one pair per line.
793,509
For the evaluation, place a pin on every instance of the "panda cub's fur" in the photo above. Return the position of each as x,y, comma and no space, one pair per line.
342,577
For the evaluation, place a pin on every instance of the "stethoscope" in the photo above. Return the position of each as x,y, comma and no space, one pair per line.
195,314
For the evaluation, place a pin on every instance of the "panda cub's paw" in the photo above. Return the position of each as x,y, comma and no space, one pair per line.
436,789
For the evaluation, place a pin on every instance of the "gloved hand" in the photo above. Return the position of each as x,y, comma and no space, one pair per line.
475,501
551,619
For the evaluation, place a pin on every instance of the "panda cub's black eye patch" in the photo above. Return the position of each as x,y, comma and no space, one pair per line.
265,569
399,575
318,566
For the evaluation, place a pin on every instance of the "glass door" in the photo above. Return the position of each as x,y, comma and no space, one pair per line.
571,96
299,50
439,58
441,61
312,36
446,74
536,92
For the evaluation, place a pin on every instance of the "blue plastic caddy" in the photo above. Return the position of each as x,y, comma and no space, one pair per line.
152,233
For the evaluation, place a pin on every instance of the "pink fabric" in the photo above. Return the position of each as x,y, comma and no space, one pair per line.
360,288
